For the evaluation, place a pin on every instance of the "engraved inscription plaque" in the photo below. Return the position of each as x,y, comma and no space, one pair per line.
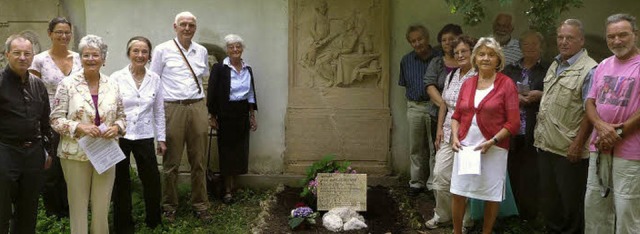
340,190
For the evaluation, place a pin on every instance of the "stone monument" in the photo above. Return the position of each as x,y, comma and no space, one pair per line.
338,84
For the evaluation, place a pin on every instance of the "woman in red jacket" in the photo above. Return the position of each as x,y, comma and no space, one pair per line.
486,115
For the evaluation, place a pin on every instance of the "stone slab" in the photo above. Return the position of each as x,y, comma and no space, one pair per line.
339,190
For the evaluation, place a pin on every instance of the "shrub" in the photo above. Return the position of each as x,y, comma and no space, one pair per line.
327,164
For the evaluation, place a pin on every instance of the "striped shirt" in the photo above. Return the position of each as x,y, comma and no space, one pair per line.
512,51
412,69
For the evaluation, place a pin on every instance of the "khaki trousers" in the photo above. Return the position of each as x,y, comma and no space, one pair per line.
421,155
186,124
85,185
619,211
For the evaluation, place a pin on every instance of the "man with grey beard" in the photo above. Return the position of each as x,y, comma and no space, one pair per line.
613,106
502,29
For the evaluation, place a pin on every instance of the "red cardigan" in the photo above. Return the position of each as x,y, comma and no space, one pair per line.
499,109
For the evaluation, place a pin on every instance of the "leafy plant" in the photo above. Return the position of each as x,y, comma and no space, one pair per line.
542,14
300,215
327,164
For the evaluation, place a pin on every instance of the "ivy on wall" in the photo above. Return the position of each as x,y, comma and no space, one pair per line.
542,14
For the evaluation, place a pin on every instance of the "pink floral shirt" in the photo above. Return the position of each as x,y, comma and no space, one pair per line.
50,73
450,97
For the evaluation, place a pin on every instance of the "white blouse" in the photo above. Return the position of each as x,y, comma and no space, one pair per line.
143,107
240,83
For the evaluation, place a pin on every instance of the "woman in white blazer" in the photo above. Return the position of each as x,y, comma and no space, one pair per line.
141,91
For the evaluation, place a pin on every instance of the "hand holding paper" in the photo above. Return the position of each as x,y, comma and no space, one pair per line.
468,161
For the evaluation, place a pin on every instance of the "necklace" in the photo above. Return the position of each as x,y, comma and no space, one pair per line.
137,78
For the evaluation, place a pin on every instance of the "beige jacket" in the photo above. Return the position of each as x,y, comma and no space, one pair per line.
73,104
562,107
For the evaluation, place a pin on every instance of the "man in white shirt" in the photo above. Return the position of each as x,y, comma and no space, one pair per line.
181,63
502,29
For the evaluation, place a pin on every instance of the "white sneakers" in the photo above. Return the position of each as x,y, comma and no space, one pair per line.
435,223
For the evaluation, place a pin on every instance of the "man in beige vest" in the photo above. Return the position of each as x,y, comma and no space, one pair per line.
562,132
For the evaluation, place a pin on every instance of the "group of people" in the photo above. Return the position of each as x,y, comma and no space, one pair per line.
557,140
51,100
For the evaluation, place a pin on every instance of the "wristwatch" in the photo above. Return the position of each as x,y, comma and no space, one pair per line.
619,131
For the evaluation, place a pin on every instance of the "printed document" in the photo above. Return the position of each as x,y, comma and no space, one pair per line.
468,161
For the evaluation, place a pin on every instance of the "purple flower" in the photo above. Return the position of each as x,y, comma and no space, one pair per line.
301,212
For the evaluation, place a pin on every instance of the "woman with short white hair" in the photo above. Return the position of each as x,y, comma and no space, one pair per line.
84,101
232,104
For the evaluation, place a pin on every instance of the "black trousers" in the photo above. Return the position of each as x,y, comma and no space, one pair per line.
562,188
54,193
522,165
21,180
144,153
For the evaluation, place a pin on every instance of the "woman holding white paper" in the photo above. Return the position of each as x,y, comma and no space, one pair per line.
84,101
486,115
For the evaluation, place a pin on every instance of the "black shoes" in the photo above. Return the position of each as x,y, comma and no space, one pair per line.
415,191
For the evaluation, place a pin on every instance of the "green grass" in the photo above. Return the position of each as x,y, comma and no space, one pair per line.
234,218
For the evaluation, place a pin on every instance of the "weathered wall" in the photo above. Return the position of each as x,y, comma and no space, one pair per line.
263,26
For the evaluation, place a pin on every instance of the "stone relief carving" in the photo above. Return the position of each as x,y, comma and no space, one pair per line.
338,84
339,48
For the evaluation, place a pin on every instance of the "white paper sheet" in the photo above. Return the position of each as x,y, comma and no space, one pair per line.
469,161
102,153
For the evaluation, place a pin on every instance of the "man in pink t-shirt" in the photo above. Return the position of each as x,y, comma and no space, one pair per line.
612,198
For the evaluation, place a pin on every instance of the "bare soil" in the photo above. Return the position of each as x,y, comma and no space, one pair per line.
382,215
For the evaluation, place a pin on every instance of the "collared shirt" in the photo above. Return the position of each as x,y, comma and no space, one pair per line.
177,81
512,51
412,70
563,65
24,107
240,83
50,73
144,107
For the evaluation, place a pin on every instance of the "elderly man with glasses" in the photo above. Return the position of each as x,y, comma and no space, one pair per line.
24,130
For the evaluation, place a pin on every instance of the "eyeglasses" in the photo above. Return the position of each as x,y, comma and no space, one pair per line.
184,25
234,46
26,96
60,33
606,189
461,52
17,53
91,56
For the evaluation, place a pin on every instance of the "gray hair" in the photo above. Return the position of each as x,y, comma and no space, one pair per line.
575,23
93,41
491,43
418,28
7,44
233,38
535,33
615,18
185,14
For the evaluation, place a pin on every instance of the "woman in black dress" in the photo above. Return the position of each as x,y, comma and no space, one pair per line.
232,104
